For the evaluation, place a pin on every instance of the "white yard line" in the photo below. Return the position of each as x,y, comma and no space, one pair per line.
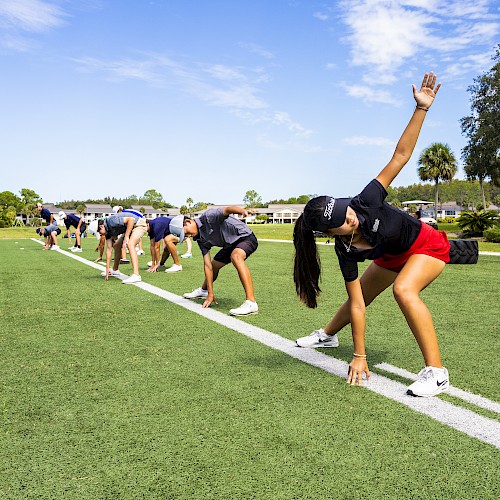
461,419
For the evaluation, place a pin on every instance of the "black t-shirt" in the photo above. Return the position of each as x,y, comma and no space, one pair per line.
389,230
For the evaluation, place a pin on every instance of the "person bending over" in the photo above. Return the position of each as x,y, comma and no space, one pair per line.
159,230
79,225
121,230
406,253
215,228
50,234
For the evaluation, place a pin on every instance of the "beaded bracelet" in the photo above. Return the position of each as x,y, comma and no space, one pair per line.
421,107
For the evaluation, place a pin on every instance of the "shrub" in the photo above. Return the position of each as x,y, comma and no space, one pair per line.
492,234
475,223
449,220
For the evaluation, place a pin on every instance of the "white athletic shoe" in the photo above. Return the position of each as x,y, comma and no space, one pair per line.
124,261
248,307
77,250
55,247
187,256
150,263
113,273
71,248
140,252
318,338
199,293
174,268
431,382
133,278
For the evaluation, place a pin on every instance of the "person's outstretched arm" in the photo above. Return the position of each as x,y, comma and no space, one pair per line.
404,149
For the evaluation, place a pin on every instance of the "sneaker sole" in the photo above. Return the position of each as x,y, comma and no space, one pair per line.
440,391
314,346
246,314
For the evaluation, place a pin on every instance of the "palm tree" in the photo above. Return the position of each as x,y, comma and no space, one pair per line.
437,162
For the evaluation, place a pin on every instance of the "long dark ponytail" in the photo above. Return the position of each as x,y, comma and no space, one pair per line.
306,265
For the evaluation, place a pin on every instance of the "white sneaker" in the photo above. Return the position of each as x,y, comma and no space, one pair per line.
76,250
187,256
248,307
113,273
71,248
124,261
140,252
174,268
133,278
318,338
199,293
55,247
431,382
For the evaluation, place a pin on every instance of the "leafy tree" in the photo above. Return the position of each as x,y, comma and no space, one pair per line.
437,162
475,223
189,203
9,215
252,199
29,199
200,205
481,155
80,208
9,199
153,197
184,210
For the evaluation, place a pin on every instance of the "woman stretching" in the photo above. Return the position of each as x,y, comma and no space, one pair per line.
406,253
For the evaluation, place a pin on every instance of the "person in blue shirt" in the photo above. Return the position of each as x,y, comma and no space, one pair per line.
159,230
45,214
79,225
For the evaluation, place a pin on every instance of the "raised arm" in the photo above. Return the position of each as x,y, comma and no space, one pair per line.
232,209
404,149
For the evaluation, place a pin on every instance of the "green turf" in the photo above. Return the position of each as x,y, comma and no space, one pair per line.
109,392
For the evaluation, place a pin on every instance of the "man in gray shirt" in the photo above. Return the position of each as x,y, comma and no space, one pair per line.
216,228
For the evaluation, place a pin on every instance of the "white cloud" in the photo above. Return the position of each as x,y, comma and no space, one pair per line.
385,34
233,88
369,95
321,16
257,49
30,15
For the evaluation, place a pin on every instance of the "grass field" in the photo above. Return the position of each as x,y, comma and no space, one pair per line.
110,392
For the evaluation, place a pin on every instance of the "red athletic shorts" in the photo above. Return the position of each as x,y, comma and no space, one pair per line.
429,242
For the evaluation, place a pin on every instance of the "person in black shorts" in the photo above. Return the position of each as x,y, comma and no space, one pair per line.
215,228
406,253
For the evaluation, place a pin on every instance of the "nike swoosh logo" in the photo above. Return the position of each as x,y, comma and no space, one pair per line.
439,384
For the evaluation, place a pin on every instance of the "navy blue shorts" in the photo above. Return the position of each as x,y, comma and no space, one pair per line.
248,244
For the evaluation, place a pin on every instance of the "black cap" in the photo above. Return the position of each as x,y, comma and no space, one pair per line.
331,214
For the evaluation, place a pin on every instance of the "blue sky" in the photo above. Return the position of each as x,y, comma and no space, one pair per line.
211,98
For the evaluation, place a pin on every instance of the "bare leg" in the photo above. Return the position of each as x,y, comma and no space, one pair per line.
373,282
216,267
171,244
134,259
238,257
118,246
418,273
